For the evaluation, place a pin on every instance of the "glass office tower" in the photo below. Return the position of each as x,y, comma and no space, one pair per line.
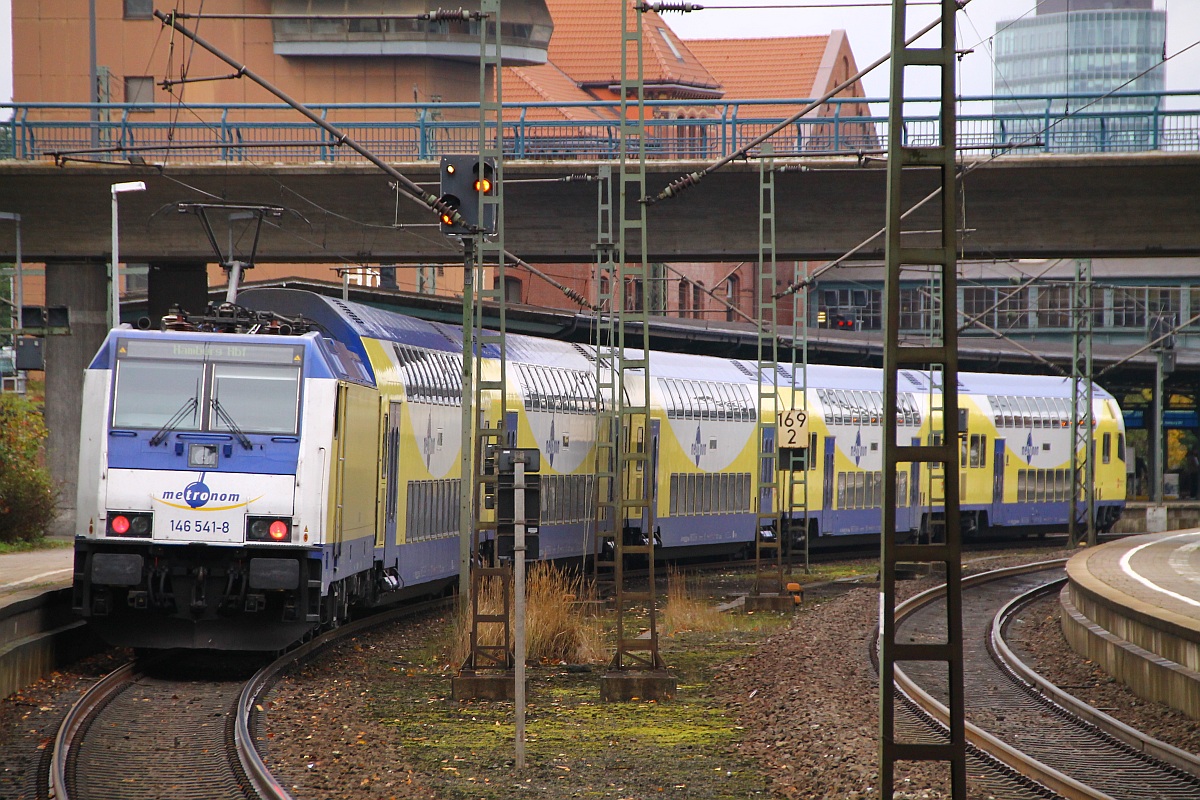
1077,52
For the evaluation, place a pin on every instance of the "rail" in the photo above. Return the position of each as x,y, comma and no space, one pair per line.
689,130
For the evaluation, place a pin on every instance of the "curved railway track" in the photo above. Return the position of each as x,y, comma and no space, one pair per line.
180,726
1017,719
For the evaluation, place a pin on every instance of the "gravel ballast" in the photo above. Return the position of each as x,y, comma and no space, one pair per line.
793,714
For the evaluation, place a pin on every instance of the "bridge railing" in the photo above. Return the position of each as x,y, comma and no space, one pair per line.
702,130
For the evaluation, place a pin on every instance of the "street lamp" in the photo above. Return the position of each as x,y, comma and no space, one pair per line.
114,309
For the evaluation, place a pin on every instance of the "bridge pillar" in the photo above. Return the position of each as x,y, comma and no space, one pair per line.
83,288
176,284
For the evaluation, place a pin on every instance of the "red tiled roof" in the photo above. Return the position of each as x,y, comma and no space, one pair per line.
586,45
750,69
548,83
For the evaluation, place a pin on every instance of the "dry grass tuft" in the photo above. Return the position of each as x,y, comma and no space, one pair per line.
556,630
686,612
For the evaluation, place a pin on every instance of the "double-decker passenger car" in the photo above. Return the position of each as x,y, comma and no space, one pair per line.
247,476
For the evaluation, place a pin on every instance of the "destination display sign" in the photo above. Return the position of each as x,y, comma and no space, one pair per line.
210,351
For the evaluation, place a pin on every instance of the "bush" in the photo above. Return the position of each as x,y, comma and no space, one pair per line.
26,491
556,631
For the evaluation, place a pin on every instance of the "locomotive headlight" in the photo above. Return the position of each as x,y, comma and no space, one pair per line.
268,529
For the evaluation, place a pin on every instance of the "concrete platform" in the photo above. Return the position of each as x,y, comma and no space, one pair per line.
38,631
40,568
1133,607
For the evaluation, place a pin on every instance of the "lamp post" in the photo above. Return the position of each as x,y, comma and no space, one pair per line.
114,309
17,297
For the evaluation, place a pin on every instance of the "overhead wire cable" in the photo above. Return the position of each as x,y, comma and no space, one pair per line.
411,189
679,185
966,169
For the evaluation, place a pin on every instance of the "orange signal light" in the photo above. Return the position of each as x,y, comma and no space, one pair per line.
483,185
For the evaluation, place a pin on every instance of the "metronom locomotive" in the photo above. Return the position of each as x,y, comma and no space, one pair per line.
238,490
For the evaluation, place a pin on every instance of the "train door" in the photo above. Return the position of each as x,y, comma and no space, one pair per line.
339,472
651,486
827,485
914,490
386,533
510,428
766,474
997,511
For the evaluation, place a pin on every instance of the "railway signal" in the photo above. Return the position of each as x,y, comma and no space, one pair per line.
843,322
464,179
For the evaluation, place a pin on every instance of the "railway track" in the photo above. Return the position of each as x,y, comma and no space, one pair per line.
182,726
1015,719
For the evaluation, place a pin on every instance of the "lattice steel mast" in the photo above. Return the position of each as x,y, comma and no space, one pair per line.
488,390
768,530
608,387
637,444
1083,436
939,354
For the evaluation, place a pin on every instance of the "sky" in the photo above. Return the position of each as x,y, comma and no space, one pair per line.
869,31
868,28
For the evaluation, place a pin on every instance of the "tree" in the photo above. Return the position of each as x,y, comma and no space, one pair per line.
26,490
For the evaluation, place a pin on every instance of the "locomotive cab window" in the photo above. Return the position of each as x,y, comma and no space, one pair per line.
207,386
258,398
149,394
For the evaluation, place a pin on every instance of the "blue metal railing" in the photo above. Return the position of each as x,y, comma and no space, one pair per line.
701,130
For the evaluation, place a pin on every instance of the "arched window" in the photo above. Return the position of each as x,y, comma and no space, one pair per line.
512,289
733,290
698,300
684,294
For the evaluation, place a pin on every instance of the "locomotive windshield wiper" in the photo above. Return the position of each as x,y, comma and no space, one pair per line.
223,415
188,407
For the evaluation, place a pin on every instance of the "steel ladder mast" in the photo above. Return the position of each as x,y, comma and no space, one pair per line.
488,392
1083,432
768,529
635,461
608,385
907,165
797,469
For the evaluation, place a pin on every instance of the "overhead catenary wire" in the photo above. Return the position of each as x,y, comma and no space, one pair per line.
963,171
685,182
341,138
405,185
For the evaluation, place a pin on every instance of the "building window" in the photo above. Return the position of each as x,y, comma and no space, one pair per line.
139,90
1129,309
1054,307
698,300
684,296
512,289
733,290
139,9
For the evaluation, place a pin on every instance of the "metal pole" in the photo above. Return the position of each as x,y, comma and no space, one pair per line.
93,75
20,278
16,295
466,517
114,286
1157,434
519,609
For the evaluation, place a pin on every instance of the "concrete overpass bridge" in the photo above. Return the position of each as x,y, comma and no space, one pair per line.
1098,195
1015,206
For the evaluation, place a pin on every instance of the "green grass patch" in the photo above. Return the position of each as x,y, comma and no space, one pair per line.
36,544
577,746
